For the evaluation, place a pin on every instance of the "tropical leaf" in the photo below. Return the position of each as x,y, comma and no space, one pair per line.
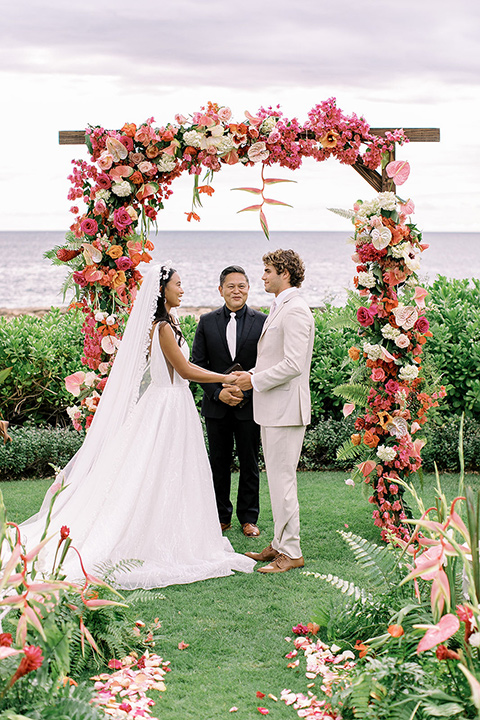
264,224
349,451
250,207
272,181
255,191
269,201
345,587
378,561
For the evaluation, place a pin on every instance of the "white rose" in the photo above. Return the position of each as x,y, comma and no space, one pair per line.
122,189
166,163
102,194
385,453
100,316
90,378
389,332
387,200
367,279
408,372
111,319
474,639
193,138
268,125
225,145
72,411
402,341
374,352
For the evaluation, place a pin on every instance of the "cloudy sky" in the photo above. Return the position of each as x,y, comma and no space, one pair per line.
414,63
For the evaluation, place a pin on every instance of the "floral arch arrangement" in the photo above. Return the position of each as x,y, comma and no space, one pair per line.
125,185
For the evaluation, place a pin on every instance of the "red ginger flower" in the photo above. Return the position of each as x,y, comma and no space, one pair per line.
64,532
6,640
31,661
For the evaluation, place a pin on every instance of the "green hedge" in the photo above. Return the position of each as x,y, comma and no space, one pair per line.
34,450
42,351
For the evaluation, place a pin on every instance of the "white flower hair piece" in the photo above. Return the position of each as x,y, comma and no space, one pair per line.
165,270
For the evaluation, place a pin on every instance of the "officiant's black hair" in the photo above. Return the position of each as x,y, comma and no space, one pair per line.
161,314
232,269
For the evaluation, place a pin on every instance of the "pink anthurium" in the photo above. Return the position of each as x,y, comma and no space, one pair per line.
347,409
73,382
398,170
253,119
117,150
367,467
419,297
146,191
445,628
110,344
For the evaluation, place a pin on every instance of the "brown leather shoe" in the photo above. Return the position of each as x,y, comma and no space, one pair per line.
282,563
225,526
267,554
250,530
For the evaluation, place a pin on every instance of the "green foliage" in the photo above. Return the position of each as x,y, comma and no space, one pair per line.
34,450
329,369
322,442
455,346
41,353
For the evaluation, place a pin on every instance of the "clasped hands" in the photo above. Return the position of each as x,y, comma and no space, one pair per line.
233,387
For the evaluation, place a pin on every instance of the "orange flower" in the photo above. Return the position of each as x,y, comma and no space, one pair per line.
129,129
396,631
115,251
362,648
152,151
330,139
354,353
313,628
193,215
356,439
206,189
189,150
136,178
118,279
370,439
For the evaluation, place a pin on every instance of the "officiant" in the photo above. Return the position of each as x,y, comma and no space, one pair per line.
226,337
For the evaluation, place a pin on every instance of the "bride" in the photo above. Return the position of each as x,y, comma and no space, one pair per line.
140,487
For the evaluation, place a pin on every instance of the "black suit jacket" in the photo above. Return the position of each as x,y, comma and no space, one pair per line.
210,351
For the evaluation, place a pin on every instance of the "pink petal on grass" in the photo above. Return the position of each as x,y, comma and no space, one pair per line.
398,170
263,711
183,645
448,626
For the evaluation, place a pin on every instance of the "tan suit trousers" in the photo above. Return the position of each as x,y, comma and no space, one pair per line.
282,447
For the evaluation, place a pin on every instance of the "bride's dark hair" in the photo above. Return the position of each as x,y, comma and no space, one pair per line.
161,314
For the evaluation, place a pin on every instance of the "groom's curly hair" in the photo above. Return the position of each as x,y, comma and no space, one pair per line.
287,260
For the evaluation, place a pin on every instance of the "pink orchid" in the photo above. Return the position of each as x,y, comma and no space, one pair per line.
445,628
73,382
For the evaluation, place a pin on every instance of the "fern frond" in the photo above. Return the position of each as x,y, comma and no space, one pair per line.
354,392
349,451
343,318
378,561
345,587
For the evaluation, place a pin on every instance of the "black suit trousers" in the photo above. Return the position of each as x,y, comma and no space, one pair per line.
222,434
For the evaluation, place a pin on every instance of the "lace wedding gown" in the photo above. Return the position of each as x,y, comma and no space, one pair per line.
149,495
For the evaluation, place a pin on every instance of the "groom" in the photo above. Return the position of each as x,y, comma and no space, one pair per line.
226,336
281,401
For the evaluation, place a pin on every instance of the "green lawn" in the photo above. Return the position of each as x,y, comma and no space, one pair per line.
236,626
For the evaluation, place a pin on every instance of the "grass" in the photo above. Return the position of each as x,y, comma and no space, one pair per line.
236,626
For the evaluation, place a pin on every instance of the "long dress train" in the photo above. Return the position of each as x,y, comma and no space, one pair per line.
149,495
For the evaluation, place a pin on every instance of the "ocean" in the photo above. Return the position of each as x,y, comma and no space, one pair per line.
29,280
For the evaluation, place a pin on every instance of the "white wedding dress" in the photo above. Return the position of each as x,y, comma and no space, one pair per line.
148,496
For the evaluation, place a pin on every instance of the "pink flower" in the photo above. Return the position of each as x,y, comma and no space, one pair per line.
402,341
100,207
180,119
89,226
104,181
74,382
121,219
448,626
105,161
79,278
378,375
391,387
258,152
123,263
422,325
300,629
225,114
365,316
419,297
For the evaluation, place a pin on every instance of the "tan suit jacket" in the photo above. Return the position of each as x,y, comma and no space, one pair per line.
281,396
